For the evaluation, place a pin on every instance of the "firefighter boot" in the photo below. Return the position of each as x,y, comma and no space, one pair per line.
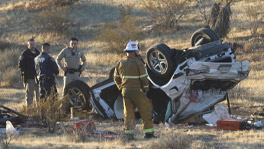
150,136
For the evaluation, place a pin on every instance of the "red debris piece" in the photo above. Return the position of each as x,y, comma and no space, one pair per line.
84,126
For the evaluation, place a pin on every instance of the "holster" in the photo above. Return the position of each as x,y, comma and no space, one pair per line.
47,79
65,73
80,67
72,70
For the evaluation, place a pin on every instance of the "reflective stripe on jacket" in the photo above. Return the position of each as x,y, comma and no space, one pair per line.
130,73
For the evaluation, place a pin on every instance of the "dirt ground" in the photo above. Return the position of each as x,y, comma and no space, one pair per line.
246,98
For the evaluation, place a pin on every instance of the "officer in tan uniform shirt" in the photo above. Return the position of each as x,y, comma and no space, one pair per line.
131,79
72,66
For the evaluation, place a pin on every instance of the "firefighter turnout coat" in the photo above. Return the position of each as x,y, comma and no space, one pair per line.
131,79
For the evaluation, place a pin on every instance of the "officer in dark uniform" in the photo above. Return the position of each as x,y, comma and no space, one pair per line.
46,69
26,66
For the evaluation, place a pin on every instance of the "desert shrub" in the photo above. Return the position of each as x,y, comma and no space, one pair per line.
254,19
203,12
42,4
48,111
11,134
84,133
53,20
5,140
173,141
39,4
219,19
4,45
255,57
9,76
166,14
249,47
199,144
52,16
116,35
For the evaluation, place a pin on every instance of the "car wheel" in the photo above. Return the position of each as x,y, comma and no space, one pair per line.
111,73
203,36
160,60
78,94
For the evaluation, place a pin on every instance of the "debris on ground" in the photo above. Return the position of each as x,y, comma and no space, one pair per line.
7,114
84,126
88,126
220,113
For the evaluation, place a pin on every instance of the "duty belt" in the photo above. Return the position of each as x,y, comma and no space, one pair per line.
46,78
71,70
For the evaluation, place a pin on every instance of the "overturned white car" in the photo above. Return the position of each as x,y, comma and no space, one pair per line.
182,82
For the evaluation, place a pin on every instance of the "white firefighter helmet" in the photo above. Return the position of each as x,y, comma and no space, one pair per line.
131,46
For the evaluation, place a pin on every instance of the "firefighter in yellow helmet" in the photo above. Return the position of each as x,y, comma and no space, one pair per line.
131,79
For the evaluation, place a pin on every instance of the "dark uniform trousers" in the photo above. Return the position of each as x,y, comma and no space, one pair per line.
47,86
46,68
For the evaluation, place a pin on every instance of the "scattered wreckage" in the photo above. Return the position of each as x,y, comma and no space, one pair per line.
7,114
182,82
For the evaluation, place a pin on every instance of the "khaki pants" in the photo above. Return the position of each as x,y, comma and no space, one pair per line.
133,98
68,78
31,87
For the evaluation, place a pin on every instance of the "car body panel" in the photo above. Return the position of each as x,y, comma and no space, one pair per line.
209,71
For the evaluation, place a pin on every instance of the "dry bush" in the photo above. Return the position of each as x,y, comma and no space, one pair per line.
203,12
219,20
9,76
48,111
199,144
253,45
249,47
255,57
5,140
40,4
166,14
254,19
4,45
116,35
52,16
173,140
84,134
53,20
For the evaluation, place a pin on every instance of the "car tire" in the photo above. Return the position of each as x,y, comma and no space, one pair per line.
78,93
160,60
203,36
